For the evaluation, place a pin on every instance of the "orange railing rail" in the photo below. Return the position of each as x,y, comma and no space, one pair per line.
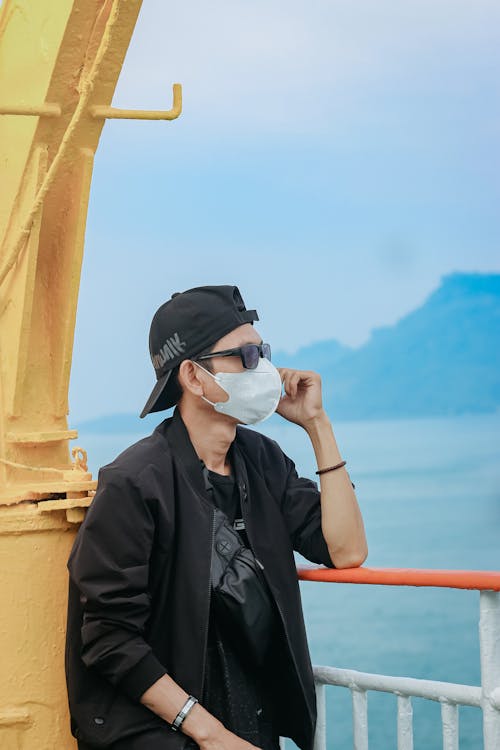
480,580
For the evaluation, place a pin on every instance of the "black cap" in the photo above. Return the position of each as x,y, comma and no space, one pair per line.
188,323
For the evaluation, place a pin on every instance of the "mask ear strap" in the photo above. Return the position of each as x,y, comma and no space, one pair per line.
203,368
212,403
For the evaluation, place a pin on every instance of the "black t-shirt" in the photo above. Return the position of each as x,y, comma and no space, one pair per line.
226,496
235,691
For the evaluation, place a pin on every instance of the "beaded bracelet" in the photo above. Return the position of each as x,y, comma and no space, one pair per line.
337,466
331,468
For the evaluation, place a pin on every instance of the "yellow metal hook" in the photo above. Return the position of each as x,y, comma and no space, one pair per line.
40,110
102,112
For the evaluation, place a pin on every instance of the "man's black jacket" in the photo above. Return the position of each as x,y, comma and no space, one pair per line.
139,587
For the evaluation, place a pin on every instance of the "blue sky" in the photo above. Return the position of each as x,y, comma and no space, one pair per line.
334,159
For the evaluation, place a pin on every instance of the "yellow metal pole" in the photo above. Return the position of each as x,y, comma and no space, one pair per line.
59,65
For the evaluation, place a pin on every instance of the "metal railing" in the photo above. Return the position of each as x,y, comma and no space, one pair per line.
449,695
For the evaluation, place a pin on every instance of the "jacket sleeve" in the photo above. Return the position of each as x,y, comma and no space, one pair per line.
301,508
109,563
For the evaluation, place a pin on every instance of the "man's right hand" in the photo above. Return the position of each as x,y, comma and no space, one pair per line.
223,739
165,697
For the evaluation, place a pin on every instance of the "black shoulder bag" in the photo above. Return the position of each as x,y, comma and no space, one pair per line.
242,601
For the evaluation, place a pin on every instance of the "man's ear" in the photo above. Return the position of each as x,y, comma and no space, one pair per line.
189,377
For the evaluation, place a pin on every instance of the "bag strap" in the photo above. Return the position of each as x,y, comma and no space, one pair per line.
239,524
208,484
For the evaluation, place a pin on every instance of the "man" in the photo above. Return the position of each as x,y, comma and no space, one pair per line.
147,665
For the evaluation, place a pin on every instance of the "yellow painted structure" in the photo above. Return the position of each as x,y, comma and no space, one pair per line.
59,65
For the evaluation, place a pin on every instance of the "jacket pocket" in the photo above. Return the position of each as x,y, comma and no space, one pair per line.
103,721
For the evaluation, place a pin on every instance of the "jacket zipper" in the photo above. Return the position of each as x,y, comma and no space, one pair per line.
205,636
290,649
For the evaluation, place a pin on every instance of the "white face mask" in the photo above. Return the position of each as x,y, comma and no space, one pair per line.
253,394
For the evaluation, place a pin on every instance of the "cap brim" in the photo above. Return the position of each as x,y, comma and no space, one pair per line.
159,398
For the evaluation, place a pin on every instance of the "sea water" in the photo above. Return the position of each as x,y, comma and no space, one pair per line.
429,493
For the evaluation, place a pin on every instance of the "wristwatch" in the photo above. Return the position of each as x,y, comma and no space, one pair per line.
183,712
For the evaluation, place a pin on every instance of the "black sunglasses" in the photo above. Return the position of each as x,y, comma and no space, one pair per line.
249,354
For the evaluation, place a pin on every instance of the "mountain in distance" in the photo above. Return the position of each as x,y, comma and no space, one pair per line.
442,359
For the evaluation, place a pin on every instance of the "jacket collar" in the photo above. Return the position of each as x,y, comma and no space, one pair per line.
183,450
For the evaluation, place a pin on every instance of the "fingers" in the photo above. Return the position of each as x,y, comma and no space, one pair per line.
292,383
292,379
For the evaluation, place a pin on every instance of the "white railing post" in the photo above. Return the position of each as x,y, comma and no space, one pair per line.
489,644
450,695
360,719
449,720
405,723
320,734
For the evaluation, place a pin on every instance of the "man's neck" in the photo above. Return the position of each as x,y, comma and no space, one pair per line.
211,437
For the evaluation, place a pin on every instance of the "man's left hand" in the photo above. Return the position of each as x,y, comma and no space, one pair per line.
302,402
